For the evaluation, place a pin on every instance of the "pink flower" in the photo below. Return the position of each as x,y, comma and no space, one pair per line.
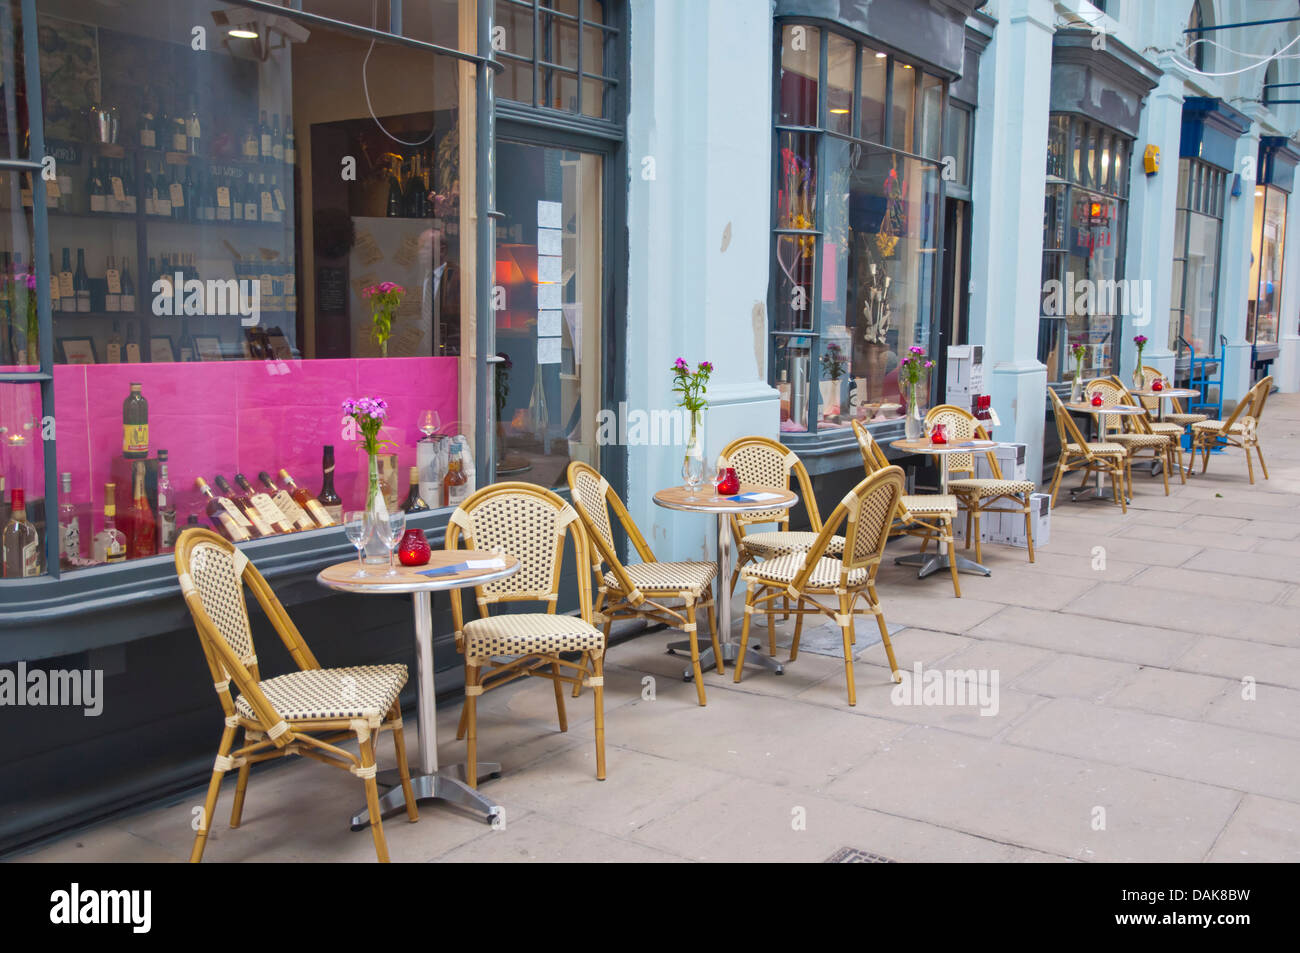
679,365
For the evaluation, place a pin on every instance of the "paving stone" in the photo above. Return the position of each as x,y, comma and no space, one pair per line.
1080,635
1262,830
1165,692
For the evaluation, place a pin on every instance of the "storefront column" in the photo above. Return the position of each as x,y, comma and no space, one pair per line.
1286,369
1007,230
1151,227
700,145
1234,270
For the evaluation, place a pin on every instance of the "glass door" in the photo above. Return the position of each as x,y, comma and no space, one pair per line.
548,303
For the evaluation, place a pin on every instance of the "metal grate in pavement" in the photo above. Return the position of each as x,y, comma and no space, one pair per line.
852,855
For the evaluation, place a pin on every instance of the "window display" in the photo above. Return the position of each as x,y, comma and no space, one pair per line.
224,201
1265,289
855,242
1202,190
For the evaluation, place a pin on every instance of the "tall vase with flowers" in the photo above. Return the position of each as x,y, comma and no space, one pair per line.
692,388
385,298
1141,342
1080,353
913,370
368,415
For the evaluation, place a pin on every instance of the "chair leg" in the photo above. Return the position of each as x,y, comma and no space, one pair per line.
946,523
1056,481
1029,527
214,788
785,602
464,716
367,746
691,634
582,660
1250,467
598,692
1178,449
719,661
1260,454
559,697
884,632
403,768
846,628
472,691
1164,468
744,631
979,547
241,785
771,630
968,522
798,631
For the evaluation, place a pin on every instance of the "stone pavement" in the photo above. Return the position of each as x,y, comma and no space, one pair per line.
1125,725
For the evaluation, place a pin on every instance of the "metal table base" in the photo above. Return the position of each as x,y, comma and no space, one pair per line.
931,563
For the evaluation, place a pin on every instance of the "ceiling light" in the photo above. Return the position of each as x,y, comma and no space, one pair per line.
1259,193
243,33
839,112
880,56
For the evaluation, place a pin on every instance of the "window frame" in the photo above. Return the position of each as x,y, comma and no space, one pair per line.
611,33
814,435
1214,209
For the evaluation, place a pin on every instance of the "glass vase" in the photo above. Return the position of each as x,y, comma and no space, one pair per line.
1076,387
1137,374
693,459
376,553
914,425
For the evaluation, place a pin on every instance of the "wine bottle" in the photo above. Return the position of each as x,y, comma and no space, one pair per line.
277,144
222,195
411,200
226,518
67,290
250,200
193,131
265,506
320,512
163,197
245,504
207,198
128,287
328,498
132,345
190,186
149,190
135,425
69,525
264,136
148,133
290,143
113,278
250,148
265,201
176,195
413,503
180,134
186,343
129,203
95,188
287,504
395,204
144,528
55,302
167,529
455,485
114,355
19,542
110,544
81,283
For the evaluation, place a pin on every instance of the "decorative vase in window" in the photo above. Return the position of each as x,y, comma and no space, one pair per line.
912,370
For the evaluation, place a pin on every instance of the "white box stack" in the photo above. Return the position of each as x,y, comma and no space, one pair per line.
1010,527
1011,461
965,374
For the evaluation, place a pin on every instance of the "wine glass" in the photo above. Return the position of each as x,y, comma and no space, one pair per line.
692,472
709,474
390,532
430,422
359,529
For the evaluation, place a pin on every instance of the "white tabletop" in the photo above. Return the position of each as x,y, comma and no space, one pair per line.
706,499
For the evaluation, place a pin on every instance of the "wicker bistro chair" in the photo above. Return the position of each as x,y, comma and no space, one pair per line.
810,577
1134,432
928,517
531,523
1174,413
307,712
1241,429
760,461
659,592
1093,459
984,494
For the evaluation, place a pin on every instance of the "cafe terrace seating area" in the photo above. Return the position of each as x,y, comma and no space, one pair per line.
1110,662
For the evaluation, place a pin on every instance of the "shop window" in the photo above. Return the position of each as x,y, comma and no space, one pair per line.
1265,290
855,238
557,55
1198,228
958,125
1084,298
217,223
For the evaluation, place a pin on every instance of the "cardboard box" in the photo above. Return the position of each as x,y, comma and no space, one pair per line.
1009,528
1011,461
965,373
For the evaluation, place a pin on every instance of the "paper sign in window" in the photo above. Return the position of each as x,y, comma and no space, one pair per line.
548,214
548,350
548,269
548,323
548,297
548,241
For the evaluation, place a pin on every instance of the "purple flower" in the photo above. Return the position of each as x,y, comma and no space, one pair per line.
680,365
916,350
928,364
1140,340
706,366
906,360
349,407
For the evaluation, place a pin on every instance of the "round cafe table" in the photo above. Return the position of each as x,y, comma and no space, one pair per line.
1118,410
447,784
934,562
706,500
1160,396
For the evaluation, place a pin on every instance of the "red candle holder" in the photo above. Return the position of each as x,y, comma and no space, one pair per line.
729,485
1157,384
1096,398
414,549
939,433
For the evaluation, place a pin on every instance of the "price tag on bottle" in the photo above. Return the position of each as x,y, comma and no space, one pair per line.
267,204
65,285
148,139
177,195
55,293
132,353
114,278
223,197
115,352
162,206
119,192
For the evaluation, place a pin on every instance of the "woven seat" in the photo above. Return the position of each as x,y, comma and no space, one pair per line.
531,523
668,593
980,495
825,586
657,577
927,505
783,542
825,574
308,712
1167,428
1185,420
1103,449
362,691
1241,429
984,488
928,518
1139,440
526,633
